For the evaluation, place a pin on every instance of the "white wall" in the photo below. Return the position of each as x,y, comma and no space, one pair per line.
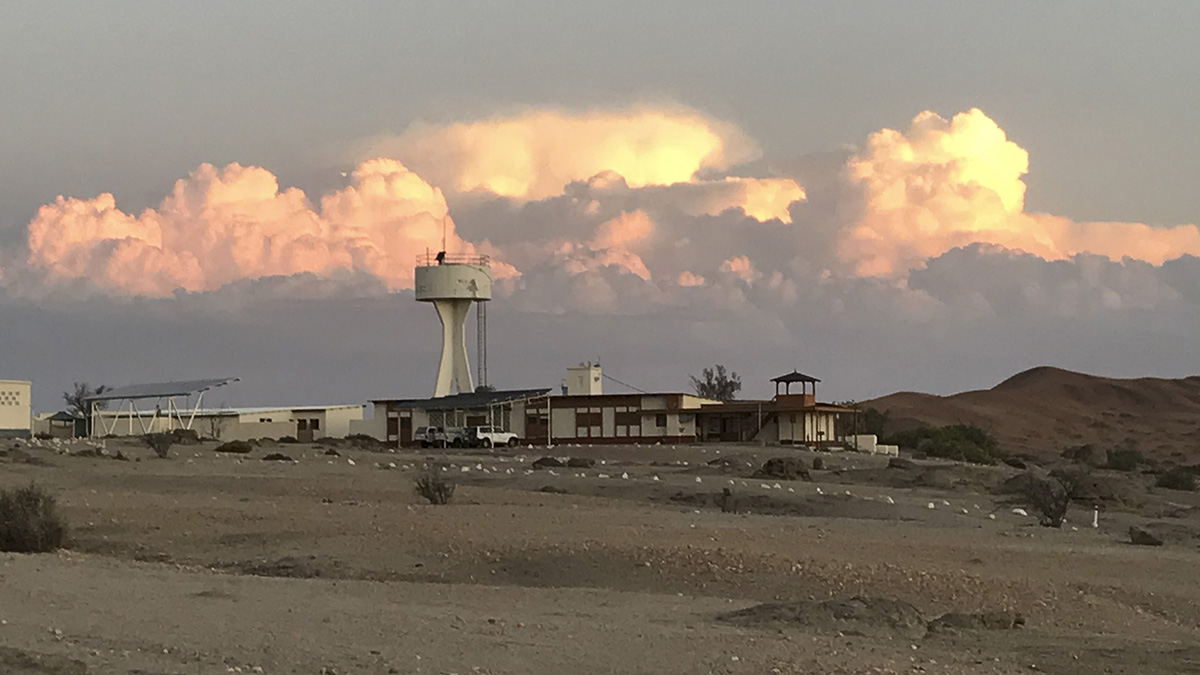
16,416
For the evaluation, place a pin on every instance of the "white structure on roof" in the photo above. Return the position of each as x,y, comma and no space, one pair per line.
305,423
16,415
584,380
453,284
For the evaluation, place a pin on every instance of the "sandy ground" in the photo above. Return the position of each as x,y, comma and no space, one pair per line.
207,563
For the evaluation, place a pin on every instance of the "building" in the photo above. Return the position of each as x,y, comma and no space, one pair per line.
786,419
582,414
61,424
16,412
636,418
396,419
305,423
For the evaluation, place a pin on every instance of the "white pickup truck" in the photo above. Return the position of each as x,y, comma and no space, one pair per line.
430,436
487,437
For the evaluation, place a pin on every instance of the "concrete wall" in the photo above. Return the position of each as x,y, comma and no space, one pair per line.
374,427
16,416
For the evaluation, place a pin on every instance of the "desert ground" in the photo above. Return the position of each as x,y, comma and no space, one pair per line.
212,563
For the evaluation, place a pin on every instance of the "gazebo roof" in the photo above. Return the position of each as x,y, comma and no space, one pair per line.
794,376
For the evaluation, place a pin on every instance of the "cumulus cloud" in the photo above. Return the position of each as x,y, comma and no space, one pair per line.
535,154
950,183
223,225
629,210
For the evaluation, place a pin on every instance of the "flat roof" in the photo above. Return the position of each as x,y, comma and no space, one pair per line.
771,405
477,399
162,389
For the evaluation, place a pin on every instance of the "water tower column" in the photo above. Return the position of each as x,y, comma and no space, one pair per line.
453,366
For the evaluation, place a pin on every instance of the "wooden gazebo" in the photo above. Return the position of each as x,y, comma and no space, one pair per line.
806,383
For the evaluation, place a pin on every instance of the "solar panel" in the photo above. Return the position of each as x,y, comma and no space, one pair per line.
161,389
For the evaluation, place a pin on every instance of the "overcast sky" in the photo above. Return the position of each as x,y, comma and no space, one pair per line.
129,97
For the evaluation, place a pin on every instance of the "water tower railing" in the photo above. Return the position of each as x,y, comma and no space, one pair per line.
432,260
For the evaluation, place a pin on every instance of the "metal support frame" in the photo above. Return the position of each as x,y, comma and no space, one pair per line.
127,409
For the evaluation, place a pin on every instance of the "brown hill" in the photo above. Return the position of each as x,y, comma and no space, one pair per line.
1044,410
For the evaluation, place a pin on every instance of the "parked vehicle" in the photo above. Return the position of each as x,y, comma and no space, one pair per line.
488,437
430,437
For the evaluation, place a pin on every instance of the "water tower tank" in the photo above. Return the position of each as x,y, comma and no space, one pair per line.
453,283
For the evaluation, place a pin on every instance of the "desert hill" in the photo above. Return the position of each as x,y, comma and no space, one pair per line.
1044,410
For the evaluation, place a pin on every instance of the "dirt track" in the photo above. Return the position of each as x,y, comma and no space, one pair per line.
202,563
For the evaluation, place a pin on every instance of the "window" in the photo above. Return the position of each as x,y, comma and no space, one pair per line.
314,424
302,425
660,421
685,419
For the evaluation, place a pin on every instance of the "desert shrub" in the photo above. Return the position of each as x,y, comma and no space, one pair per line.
185,436
961,442
434,487
1050,497
43,436
30,521
288,439
1125,459
1178,478
236,447
160,444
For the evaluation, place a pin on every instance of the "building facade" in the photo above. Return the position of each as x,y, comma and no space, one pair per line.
16,411
305,423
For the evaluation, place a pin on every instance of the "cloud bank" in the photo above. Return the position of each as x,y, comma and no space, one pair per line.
640,210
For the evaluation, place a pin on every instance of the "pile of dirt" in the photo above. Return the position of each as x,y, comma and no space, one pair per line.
547,463
353,442
784,468
235,447
866,616
581,463
1043,410
277,457
959,621
1141,537
308,567
732,462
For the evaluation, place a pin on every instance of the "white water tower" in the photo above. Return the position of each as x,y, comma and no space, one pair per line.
453,283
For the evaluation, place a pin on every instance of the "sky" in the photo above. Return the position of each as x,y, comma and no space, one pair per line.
890,196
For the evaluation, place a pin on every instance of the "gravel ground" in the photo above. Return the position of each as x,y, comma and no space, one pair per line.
205,563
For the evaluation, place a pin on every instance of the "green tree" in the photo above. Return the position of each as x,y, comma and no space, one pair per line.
717,384
77,402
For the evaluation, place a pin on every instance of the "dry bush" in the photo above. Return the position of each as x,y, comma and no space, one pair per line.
235,447
160,444
434,487
30,521
1051,497
1178,478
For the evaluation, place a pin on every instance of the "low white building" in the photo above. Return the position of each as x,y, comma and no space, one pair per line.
16,413
305,423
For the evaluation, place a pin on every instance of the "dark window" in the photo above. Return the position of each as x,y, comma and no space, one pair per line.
302,425
660,421
314,424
